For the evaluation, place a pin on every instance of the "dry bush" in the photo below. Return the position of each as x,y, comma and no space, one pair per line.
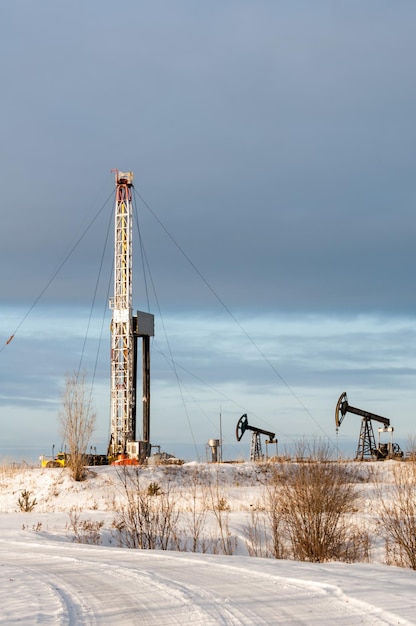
411,447
304,508
84,530
8,471
264,530
314,499
356,545
77,422
197,511
146,520
257,531
220,508
276,544
149,518
397,515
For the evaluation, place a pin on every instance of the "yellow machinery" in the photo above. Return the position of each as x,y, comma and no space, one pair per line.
60,460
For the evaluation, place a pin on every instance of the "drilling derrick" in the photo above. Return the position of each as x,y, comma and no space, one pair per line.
123,396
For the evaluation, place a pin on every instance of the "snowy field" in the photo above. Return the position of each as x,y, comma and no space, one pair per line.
47,577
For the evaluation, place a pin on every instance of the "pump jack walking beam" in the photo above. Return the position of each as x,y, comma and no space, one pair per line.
343,408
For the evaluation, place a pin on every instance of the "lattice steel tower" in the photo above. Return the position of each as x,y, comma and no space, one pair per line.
122,339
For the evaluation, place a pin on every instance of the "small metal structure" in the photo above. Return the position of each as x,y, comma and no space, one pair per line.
256,453
214,445
367,448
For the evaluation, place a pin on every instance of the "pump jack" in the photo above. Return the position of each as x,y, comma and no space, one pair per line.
256,453
367,447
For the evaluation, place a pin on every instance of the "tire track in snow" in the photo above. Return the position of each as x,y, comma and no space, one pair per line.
32,598
210,606
350,608
121,594
99,586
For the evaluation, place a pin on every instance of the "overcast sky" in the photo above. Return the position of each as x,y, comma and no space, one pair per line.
273,145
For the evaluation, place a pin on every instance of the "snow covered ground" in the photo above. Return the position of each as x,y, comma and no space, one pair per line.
47,578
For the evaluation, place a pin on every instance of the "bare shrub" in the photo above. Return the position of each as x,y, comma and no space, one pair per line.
411,447
220,508
301,450
256,531
77,422
397,515
8,471
145,521
198,510
273,501
302,513
265,530
312,501
356,545
84,530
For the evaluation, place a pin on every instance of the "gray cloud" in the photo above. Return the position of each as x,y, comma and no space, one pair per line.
274,141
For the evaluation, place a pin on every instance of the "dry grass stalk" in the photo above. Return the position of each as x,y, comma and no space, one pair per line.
146,520
219,507
84,530
397,516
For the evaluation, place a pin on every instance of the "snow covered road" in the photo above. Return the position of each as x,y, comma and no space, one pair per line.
52,582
